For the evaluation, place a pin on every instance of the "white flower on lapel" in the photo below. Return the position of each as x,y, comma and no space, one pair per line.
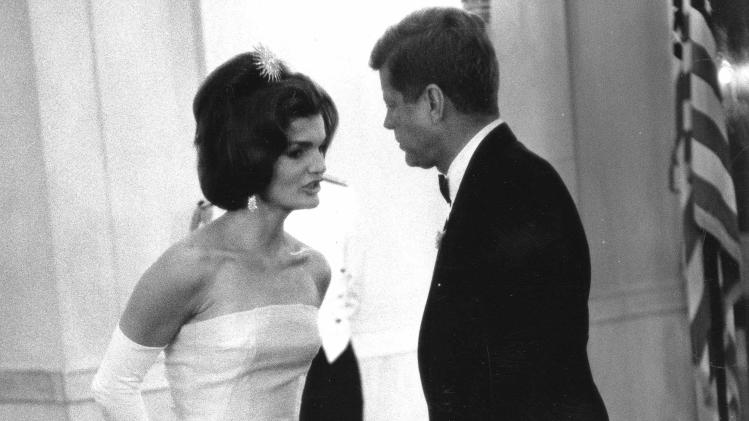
438,238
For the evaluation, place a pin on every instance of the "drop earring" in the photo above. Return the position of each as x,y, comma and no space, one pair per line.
252,203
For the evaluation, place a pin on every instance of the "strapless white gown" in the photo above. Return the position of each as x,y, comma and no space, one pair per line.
249,365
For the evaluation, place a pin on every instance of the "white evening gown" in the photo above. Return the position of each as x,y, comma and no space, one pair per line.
249,365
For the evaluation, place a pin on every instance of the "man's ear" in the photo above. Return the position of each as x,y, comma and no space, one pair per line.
435,99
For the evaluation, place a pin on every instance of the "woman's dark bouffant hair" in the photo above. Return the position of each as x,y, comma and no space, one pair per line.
242,116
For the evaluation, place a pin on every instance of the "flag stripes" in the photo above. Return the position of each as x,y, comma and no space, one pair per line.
707,132
704,68
712,250
712,214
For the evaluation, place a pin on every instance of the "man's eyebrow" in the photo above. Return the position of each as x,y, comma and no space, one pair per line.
302,143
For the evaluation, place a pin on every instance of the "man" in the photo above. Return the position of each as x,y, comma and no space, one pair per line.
505,328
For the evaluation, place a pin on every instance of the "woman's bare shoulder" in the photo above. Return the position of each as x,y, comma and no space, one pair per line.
186,268
315,264
190,259
172,290
312,257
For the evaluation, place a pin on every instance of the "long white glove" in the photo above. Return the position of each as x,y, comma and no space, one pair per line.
116,385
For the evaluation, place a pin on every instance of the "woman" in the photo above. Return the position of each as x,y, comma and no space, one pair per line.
234,305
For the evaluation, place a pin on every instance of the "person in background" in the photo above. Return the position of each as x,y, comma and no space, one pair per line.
234,305
333,389
505,327
201,215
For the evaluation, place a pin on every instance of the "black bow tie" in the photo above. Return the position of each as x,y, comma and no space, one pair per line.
444,187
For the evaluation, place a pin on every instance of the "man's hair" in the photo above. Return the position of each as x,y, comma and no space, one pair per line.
448,47
242,117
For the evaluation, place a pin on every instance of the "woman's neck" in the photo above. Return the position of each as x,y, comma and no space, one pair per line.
259,227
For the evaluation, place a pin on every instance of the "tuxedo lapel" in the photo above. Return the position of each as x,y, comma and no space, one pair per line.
475,181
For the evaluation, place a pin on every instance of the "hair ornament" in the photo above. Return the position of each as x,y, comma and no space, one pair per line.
268,64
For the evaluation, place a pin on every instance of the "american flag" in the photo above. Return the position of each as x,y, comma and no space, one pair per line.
712,248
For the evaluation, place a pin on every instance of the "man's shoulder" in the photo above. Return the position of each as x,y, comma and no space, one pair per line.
503,170
499,145
501,156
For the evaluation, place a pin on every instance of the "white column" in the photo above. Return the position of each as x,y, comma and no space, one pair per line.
623,96
105,93
535,97
30,340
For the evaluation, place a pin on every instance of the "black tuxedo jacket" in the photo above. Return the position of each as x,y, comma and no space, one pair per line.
505,328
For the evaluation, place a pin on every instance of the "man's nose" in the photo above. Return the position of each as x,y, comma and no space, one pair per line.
388,123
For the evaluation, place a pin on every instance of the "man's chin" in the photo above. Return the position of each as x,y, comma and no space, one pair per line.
417,164
412,162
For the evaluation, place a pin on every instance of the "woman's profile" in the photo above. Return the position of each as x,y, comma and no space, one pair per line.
234,304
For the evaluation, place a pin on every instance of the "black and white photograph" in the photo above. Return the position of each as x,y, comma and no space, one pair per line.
395,210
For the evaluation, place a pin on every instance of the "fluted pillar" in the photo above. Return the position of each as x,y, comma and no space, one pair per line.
98,175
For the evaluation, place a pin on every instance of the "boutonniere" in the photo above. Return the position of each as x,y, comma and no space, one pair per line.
438,238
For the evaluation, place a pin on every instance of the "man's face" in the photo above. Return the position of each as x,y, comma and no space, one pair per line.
411,123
